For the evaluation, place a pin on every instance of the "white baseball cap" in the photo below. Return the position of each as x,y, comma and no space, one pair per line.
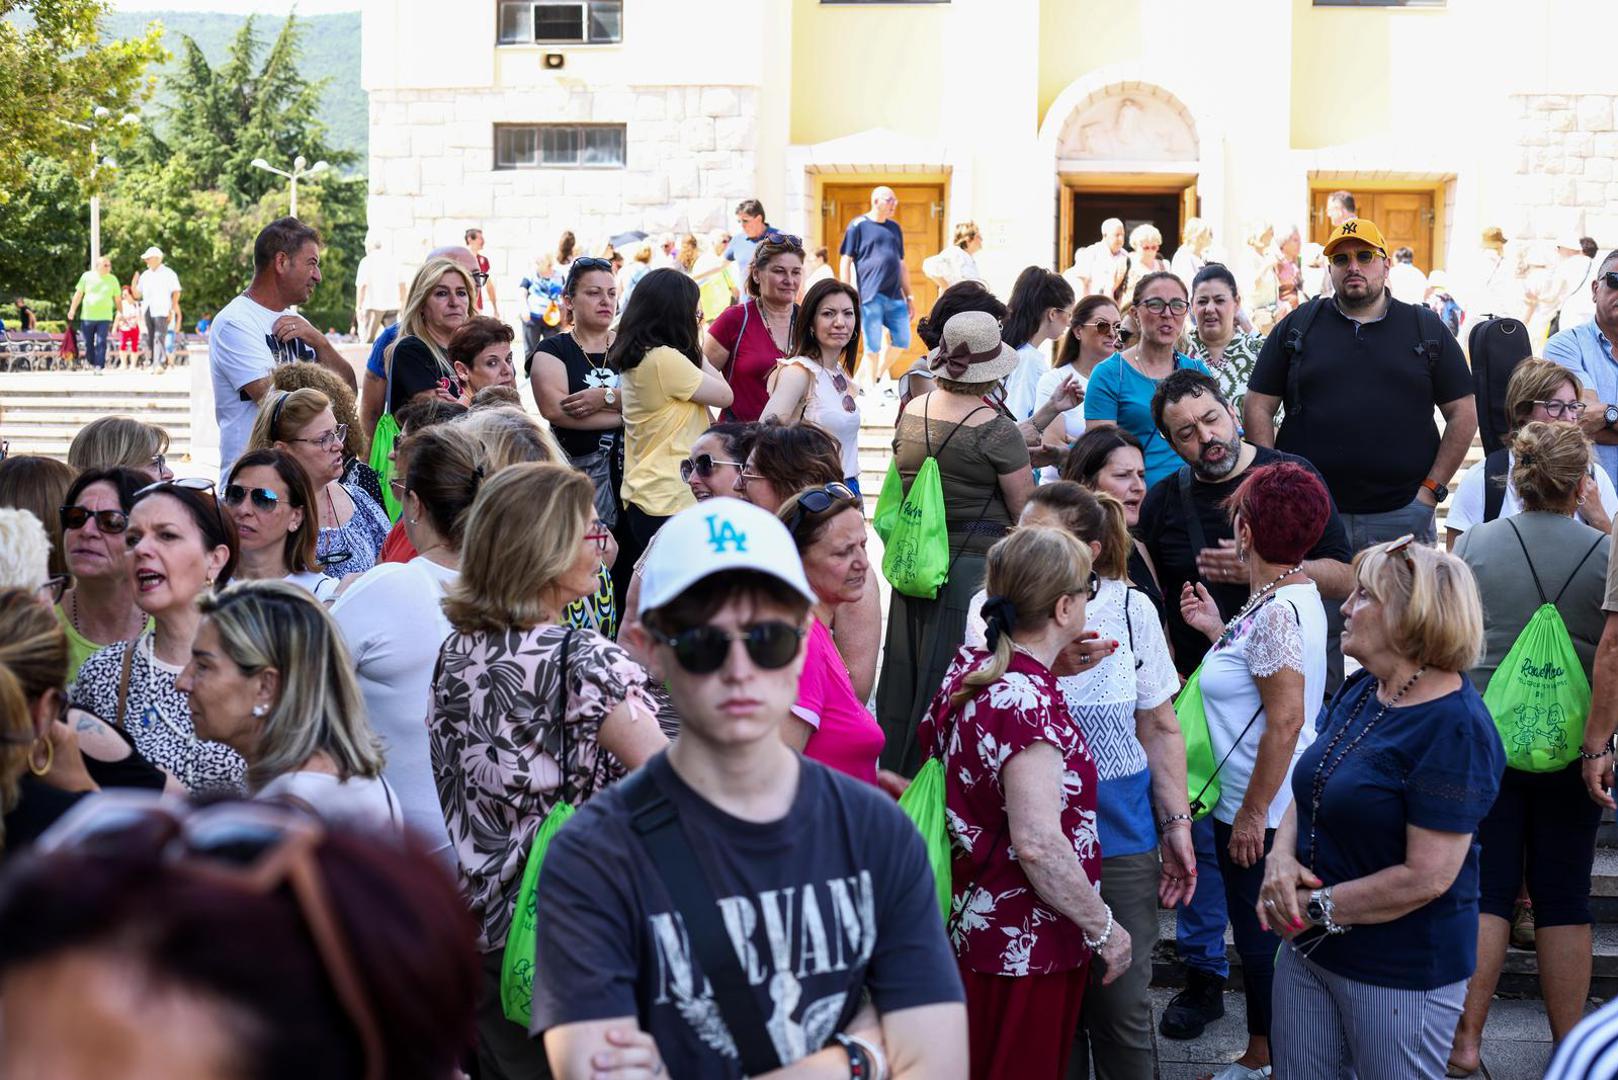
153,252
721,535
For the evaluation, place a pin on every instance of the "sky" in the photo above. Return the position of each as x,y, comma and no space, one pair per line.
242,7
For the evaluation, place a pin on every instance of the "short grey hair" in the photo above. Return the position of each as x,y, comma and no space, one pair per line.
25,550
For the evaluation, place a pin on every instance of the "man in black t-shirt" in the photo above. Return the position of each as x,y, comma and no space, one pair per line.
1360,374
804,890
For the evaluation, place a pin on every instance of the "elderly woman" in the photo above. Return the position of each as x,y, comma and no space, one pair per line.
829,723
270,678
100,608
109,442
1537,390
438,302
1542,826
1374,874
1262,680
352,525
272,503
480,353
1145,242
1024,926
955,263
525,712
1227,352
1121,388
747,340
182,545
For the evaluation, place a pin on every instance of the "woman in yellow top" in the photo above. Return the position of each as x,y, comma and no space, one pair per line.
667,390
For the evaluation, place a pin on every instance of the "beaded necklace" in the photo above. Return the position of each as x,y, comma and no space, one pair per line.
1323,773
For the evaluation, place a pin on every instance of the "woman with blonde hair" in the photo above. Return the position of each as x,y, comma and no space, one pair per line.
39,485
1542,828
356,470
109,442
417,363
270,678
569,716
1196,235
1373,877
1021,779
352,525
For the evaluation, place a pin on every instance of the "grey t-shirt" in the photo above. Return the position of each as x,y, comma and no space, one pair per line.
1558,547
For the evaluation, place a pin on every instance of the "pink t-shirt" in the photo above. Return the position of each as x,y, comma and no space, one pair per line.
846,735
753,354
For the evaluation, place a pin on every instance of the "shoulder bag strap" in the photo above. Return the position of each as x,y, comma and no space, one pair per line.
1250,721
1529,559
123,683
1576,569
952,430
656,820
1193,521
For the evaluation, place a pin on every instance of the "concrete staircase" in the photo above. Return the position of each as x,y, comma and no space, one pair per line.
43,410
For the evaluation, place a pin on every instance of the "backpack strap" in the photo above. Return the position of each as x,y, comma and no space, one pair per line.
1591,551
1433,332
1494,483
1529,559
1193,523
1129,624
656,820
1292,346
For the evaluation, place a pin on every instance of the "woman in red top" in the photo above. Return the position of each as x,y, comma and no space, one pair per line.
1020,777
746,340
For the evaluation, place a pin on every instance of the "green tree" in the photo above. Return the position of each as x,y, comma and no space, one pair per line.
54,67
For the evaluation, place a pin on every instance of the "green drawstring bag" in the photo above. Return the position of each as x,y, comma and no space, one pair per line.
517,964
923,802
1201,771
916,558
1539,696
387,433
888,503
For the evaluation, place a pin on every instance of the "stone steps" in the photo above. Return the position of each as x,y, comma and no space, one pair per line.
44,410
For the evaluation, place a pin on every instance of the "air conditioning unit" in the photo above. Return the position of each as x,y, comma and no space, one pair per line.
561,21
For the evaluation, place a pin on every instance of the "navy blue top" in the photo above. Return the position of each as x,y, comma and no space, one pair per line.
376,364
878,251
1437,766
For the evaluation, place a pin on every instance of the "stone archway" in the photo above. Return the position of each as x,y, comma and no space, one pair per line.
1119,125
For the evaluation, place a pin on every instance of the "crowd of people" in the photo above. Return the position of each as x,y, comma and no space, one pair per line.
434,738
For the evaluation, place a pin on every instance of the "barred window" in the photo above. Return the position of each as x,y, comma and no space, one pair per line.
559,146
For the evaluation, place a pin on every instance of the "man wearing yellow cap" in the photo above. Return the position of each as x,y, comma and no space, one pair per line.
1360,374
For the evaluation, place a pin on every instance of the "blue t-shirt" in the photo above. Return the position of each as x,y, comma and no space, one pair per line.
1437,766
878,251
1119,394
540,291
1124,819
375,364
740,250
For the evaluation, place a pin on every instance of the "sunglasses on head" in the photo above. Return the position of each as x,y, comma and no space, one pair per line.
108,521
263,498
817,501
190,483
702,650
479,277
774,237
255,848
1363,256
703,465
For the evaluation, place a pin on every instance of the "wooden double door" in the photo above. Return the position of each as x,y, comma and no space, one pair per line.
920,217
1406,218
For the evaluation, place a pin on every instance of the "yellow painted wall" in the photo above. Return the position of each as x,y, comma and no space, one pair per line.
1351,64
860,66
1078,36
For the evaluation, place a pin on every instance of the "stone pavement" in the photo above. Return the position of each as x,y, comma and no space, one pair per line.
1516,1042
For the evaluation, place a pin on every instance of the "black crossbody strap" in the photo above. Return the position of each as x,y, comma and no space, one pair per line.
1193,521
1197,802
656,821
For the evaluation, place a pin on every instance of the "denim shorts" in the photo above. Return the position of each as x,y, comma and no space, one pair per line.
891,312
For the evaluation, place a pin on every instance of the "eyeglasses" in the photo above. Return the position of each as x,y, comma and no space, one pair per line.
1158,306
108,521
586,263
1104,328
1557,409
750,477
840,382
326,440
598,533
1125,334
703,465
263,498
160,462
248,847
817,501
191,483
55,586
774,237
1363,256
702,650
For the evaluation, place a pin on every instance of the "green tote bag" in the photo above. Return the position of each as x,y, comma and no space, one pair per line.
923,802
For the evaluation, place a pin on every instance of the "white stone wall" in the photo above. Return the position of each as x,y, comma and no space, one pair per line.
1564,178
691,156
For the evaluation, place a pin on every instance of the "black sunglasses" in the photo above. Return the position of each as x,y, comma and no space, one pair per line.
263,498
702,650
108,521
703,465
1610,277
819,500
775,237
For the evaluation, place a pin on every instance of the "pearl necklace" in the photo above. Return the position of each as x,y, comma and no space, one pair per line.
1258,598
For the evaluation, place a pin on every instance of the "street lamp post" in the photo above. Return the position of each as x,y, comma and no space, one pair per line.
299,172
100,112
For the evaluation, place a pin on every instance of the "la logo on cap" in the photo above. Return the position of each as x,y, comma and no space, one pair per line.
722,533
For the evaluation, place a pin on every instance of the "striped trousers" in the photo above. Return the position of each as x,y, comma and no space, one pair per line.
1327,1027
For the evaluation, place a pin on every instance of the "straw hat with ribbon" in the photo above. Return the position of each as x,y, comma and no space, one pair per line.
971,351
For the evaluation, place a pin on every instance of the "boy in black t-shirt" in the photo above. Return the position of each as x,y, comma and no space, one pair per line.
803,890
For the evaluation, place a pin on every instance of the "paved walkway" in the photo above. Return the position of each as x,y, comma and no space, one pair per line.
1516,1042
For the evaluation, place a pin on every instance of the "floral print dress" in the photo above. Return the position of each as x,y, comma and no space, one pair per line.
1234,366
998,924
506,749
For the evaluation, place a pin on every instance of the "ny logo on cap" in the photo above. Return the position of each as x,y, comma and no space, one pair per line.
720,534
1350,228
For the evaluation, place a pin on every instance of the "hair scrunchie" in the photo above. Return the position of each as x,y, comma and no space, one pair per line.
1000,617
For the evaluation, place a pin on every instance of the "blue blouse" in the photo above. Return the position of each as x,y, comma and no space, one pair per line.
1120,394
360,537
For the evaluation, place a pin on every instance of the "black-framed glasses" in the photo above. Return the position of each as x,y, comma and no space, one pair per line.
817,501
111,522
1557,409
775,236
326,440
199,484
1363,256
160,462
703,465
263,498
702,650
1159,306
55,588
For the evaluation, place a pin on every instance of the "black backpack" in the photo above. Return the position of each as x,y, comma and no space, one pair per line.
1431,346
1496,346
1494,482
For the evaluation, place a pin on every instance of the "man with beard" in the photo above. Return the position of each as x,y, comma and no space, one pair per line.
1360,374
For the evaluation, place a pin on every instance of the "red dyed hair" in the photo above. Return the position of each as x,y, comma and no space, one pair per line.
1286,507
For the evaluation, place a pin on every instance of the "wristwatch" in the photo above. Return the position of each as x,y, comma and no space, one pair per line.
1321,909
1611,415
610,396
1440,492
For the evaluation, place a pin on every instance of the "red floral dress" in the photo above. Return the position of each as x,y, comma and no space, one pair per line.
998,924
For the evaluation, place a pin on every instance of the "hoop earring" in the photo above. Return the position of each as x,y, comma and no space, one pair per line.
50,756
